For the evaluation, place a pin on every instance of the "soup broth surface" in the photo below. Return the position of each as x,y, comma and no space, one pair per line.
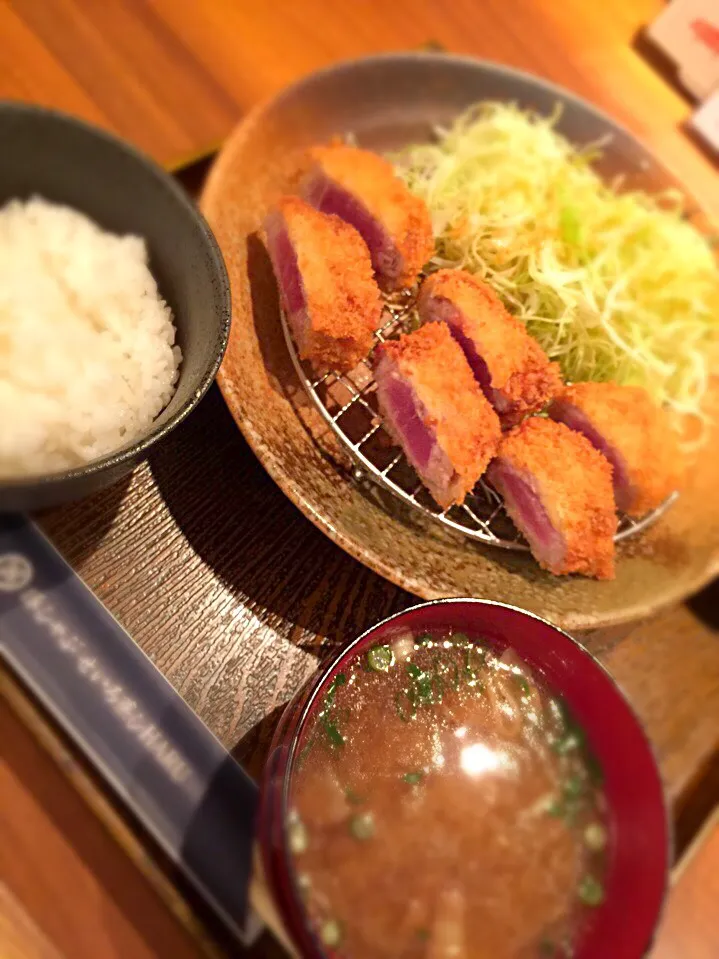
444,805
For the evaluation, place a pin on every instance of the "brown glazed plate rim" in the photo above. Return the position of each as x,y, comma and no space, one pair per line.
218,193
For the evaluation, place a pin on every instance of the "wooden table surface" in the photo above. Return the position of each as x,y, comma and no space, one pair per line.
174,76
217,576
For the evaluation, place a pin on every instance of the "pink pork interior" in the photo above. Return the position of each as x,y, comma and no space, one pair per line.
288,276
329,197
565,412
404,418
526,509
435,308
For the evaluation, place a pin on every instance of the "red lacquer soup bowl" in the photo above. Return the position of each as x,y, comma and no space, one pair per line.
639,847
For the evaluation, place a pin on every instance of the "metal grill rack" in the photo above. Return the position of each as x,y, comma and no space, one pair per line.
348,404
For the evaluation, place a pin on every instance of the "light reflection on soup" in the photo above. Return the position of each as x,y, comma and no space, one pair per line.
444,806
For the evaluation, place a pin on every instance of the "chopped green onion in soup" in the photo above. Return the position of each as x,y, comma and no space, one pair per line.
380,658
362,826
331,933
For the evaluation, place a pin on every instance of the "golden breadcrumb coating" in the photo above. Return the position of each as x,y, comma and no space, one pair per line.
343,300
574,483
464,423
372,180
517,364
640,431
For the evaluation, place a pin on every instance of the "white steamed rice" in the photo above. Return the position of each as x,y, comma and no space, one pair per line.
87,354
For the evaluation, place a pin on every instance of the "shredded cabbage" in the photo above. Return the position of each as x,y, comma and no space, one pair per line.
614,285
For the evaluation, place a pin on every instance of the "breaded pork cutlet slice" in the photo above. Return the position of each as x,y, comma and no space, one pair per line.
558,490
435,411
508,363
361,187
327,289
624,424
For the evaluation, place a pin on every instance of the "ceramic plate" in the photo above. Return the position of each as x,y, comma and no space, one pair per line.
386,102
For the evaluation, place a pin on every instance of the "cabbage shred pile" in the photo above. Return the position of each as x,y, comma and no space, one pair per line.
614,285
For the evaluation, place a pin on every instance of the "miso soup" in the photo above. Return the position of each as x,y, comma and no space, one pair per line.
444,804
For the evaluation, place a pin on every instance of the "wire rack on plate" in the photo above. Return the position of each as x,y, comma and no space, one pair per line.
348,404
